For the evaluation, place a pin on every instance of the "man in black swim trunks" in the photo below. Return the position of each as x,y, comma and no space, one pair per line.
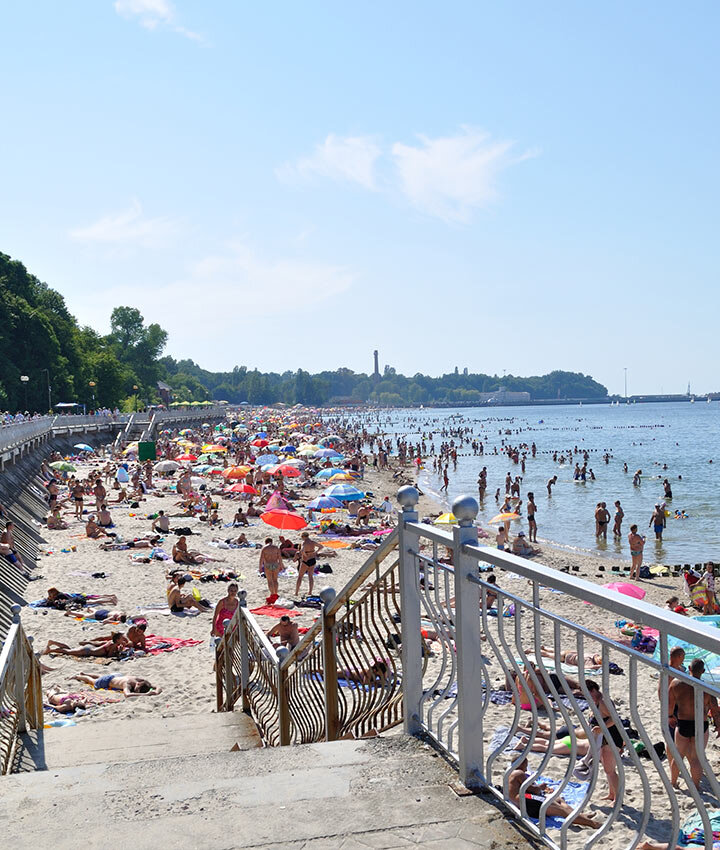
682,702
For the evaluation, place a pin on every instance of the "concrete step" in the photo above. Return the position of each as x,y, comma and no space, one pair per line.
383,793
137,739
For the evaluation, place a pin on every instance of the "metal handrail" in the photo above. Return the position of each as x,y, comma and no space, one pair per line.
21,704
460,705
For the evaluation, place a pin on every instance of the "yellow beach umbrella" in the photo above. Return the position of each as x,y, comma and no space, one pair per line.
445,519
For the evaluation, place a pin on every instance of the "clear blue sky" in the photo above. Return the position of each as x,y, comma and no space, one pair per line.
502,186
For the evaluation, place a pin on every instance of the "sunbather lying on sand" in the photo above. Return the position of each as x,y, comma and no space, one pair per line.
64,703
108,649
130,685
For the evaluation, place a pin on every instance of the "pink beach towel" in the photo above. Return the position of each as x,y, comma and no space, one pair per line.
156,644
273,611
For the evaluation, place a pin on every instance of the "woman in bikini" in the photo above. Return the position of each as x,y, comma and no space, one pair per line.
225,609
110,649
590,662
307,560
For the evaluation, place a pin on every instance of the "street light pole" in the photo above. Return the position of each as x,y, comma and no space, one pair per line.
24,380
48,383
135,389
92,385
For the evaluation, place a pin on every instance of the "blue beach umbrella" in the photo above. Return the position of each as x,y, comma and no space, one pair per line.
324,502
324,474
344,492
263,460
327,453
84,447
288,450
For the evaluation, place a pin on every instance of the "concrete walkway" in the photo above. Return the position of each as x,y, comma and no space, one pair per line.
176,784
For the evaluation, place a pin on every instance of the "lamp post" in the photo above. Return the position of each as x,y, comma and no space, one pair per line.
135,389
48,385
24,380
92,386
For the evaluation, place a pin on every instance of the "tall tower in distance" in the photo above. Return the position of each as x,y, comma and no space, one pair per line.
376,373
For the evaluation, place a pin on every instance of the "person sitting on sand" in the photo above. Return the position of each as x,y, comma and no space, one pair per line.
240,518
131,686
242,540
252,511
535,796
179,601
93,530
65,703
134,638
571,658
103,518
54,520
376,674
286,631
288,549
108,649
521,547
181,555
161,524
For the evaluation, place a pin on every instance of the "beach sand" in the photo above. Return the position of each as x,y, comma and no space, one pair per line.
186,675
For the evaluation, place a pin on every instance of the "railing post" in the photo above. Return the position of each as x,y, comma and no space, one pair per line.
468,645
244,655
19,672
411,645
330,673
282,698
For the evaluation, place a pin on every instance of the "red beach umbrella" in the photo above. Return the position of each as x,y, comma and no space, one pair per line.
284,520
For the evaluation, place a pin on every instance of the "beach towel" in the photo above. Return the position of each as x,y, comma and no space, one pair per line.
273,611
156,644
573,793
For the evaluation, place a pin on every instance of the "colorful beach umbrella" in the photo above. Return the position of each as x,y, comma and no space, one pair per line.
62,466
445,519
323,503
345,492
286,470
84,447
233,472
241,488
508,516
284,520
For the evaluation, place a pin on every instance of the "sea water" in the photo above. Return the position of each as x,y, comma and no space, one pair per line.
683,435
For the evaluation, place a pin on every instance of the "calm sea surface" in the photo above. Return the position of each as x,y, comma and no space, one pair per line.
684,436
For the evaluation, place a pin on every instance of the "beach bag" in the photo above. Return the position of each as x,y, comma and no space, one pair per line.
645,572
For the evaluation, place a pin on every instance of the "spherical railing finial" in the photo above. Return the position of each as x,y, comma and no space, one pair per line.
15,611
327,594
242,598
408,497
282,653
465,509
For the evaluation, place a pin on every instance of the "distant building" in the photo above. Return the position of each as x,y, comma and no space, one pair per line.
503,396
376,371
465,371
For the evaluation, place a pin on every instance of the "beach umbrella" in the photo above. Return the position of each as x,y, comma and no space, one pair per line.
261,435
284,520
329,441
260,443
445,519
325,474
241,488
327,453
62,466
345,492
323,503
209,448
288,450
286,469
508,516
626,589
235,472
186,457
167,466
216,471
340,476
201,468
263,460
84,447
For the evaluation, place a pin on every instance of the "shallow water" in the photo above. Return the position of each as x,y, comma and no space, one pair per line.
682,435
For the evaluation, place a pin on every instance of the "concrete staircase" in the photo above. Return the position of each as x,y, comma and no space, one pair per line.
203,781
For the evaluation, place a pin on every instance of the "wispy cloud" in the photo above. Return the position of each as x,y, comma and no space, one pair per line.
155,14
238,275
349,159
447,177
126,227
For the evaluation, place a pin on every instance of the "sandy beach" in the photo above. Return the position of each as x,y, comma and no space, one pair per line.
186,676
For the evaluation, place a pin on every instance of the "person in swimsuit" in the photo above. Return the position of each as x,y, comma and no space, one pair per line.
613,733
307,559
602,518
93,530
78,492
108,649
271,564
532,523
619,514
590,662
131,686
224,610
65,703
535,796
682,704
54,520
286,631
637,543
179,601
657,521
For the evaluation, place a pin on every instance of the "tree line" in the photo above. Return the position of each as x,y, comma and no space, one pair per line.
40,340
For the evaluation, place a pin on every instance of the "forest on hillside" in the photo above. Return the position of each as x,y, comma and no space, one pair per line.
64,361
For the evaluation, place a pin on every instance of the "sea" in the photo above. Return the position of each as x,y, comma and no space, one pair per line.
683,436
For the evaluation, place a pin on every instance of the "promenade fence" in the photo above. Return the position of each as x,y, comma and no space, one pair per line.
21,702
471,697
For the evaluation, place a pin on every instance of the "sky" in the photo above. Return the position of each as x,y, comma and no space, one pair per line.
507,187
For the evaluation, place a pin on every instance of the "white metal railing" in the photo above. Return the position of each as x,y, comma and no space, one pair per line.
497,690
21,704
18,433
